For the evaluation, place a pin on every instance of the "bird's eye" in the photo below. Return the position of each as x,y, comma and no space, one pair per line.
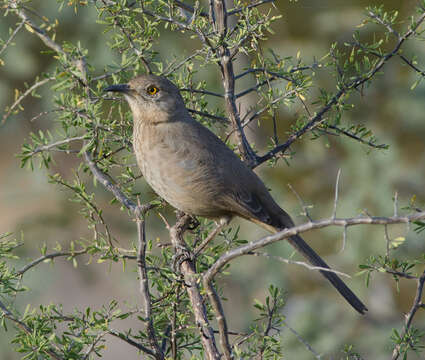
152,90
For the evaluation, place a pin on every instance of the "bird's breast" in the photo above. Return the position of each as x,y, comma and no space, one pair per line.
177,171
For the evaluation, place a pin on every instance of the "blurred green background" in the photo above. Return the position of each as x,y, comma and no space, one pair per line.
40,212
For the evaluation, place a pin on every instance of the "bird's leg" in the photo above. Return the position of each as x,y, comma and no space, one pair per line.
194,223
224,221
182,253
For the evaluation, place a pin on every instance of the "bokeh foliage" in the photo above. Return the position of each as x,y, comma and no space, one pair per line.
281,92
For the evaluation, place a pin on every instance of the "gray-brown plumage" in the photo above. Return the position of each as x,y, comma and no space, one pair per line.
193,170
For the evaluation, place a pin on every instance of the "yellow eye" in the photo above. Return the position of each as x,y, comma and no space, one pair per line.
152,90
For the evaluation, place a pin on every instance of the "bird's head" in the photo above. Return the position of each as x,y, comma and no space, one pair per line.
151,98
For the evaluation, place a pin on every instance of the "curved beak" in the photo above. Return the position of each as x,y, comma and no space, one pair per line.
123,88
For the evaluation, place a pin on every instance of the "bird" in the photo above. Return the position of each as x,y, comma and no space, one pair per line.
192,169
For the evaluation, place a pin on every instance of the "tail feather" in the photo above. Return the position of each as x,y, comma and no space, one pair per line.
298,243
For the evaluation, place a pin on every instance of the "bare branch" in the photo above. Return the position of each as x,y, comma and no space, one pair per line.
301,263
257,244
303,341
303,205
51,256
338,176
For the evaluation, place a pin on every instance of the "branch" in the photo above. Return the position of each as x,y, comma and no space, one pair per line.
187,268
410,63
57,143
275,74
24,95
8,315
256,4
38,31
131,342
221,319
267,240
214,117
417,304
202,91
303,341
12,36
356,83
108,183
219,19
294,262
359,139
50,256
144,286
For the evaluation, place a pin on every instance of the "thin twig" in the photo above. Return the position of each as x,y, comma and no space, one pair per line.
49,147
303,205
303,341
108,183
338,175
209,238
302,263
24,95
37,261
144,286
12,36
131,342
357,138
214,117
410,63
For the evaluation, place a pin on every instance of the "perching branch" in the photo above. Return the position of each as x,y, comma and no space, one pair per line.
187,268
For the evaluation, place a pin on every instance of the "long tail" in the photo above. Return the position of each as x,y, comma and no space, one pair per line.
298,243
272,217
